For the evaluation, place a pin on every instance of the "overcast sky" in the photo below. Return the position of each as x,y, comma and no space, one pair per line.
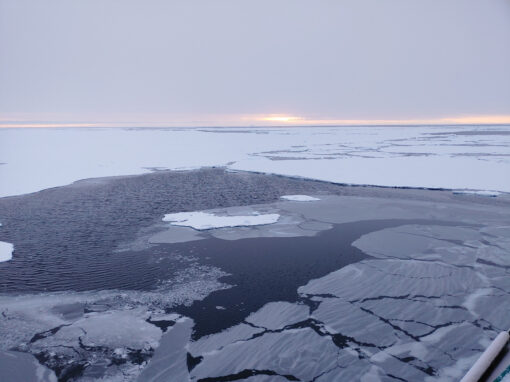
93,60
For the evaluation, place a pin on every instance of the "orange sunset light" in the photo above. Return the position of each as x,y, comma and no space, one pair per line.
241,120
280,118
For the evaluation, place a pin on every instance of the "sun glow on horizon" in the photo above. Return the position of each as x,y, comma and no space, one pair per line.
236,120
459,120
280,118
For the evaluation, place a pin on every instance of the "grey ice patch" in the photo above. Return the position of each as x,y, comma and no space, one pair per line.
311,225
394,278
432,242
169,360
343,317
112,329
176,235
276,315
301,353
282,230
70,311
214,342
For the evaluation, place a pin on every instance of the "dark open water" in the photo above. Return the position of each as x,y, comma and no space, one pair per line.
66,238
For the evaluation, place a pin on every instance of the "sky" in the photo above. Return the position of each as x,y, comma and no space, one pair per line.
253,62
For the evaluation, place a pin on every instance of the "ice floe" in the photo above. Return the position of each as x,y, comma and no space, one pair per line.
395,278
112,329
301,353
169,362
231,223
299,198
479,193
6,250
276,315
204,221
176,235
214,342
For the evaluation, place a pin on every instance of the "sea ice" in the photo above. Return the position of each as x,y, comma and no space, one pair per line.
16,366
113,329
480,193
276,315
215,342
280,219
203,220
394,278
169,360
6,250
300,352
299,198
418,156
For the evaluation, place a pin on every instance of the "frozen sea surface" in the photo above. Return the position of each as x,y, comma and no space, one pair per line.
479,192
452,157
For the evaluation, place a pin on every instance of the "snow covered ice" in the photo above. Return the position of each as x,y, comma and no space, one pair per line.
6,250
451,157
203,220
479,193
299,198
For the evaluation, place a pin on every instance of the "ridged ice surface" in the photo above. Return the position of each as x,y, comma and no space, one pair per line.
276,315
298,352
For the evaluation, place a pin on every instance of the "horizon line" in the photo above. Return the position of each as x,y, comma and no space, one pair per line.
239,121
237,126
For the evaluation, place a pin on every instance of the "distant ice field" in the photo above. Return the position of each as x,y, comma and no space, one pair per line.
450,157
